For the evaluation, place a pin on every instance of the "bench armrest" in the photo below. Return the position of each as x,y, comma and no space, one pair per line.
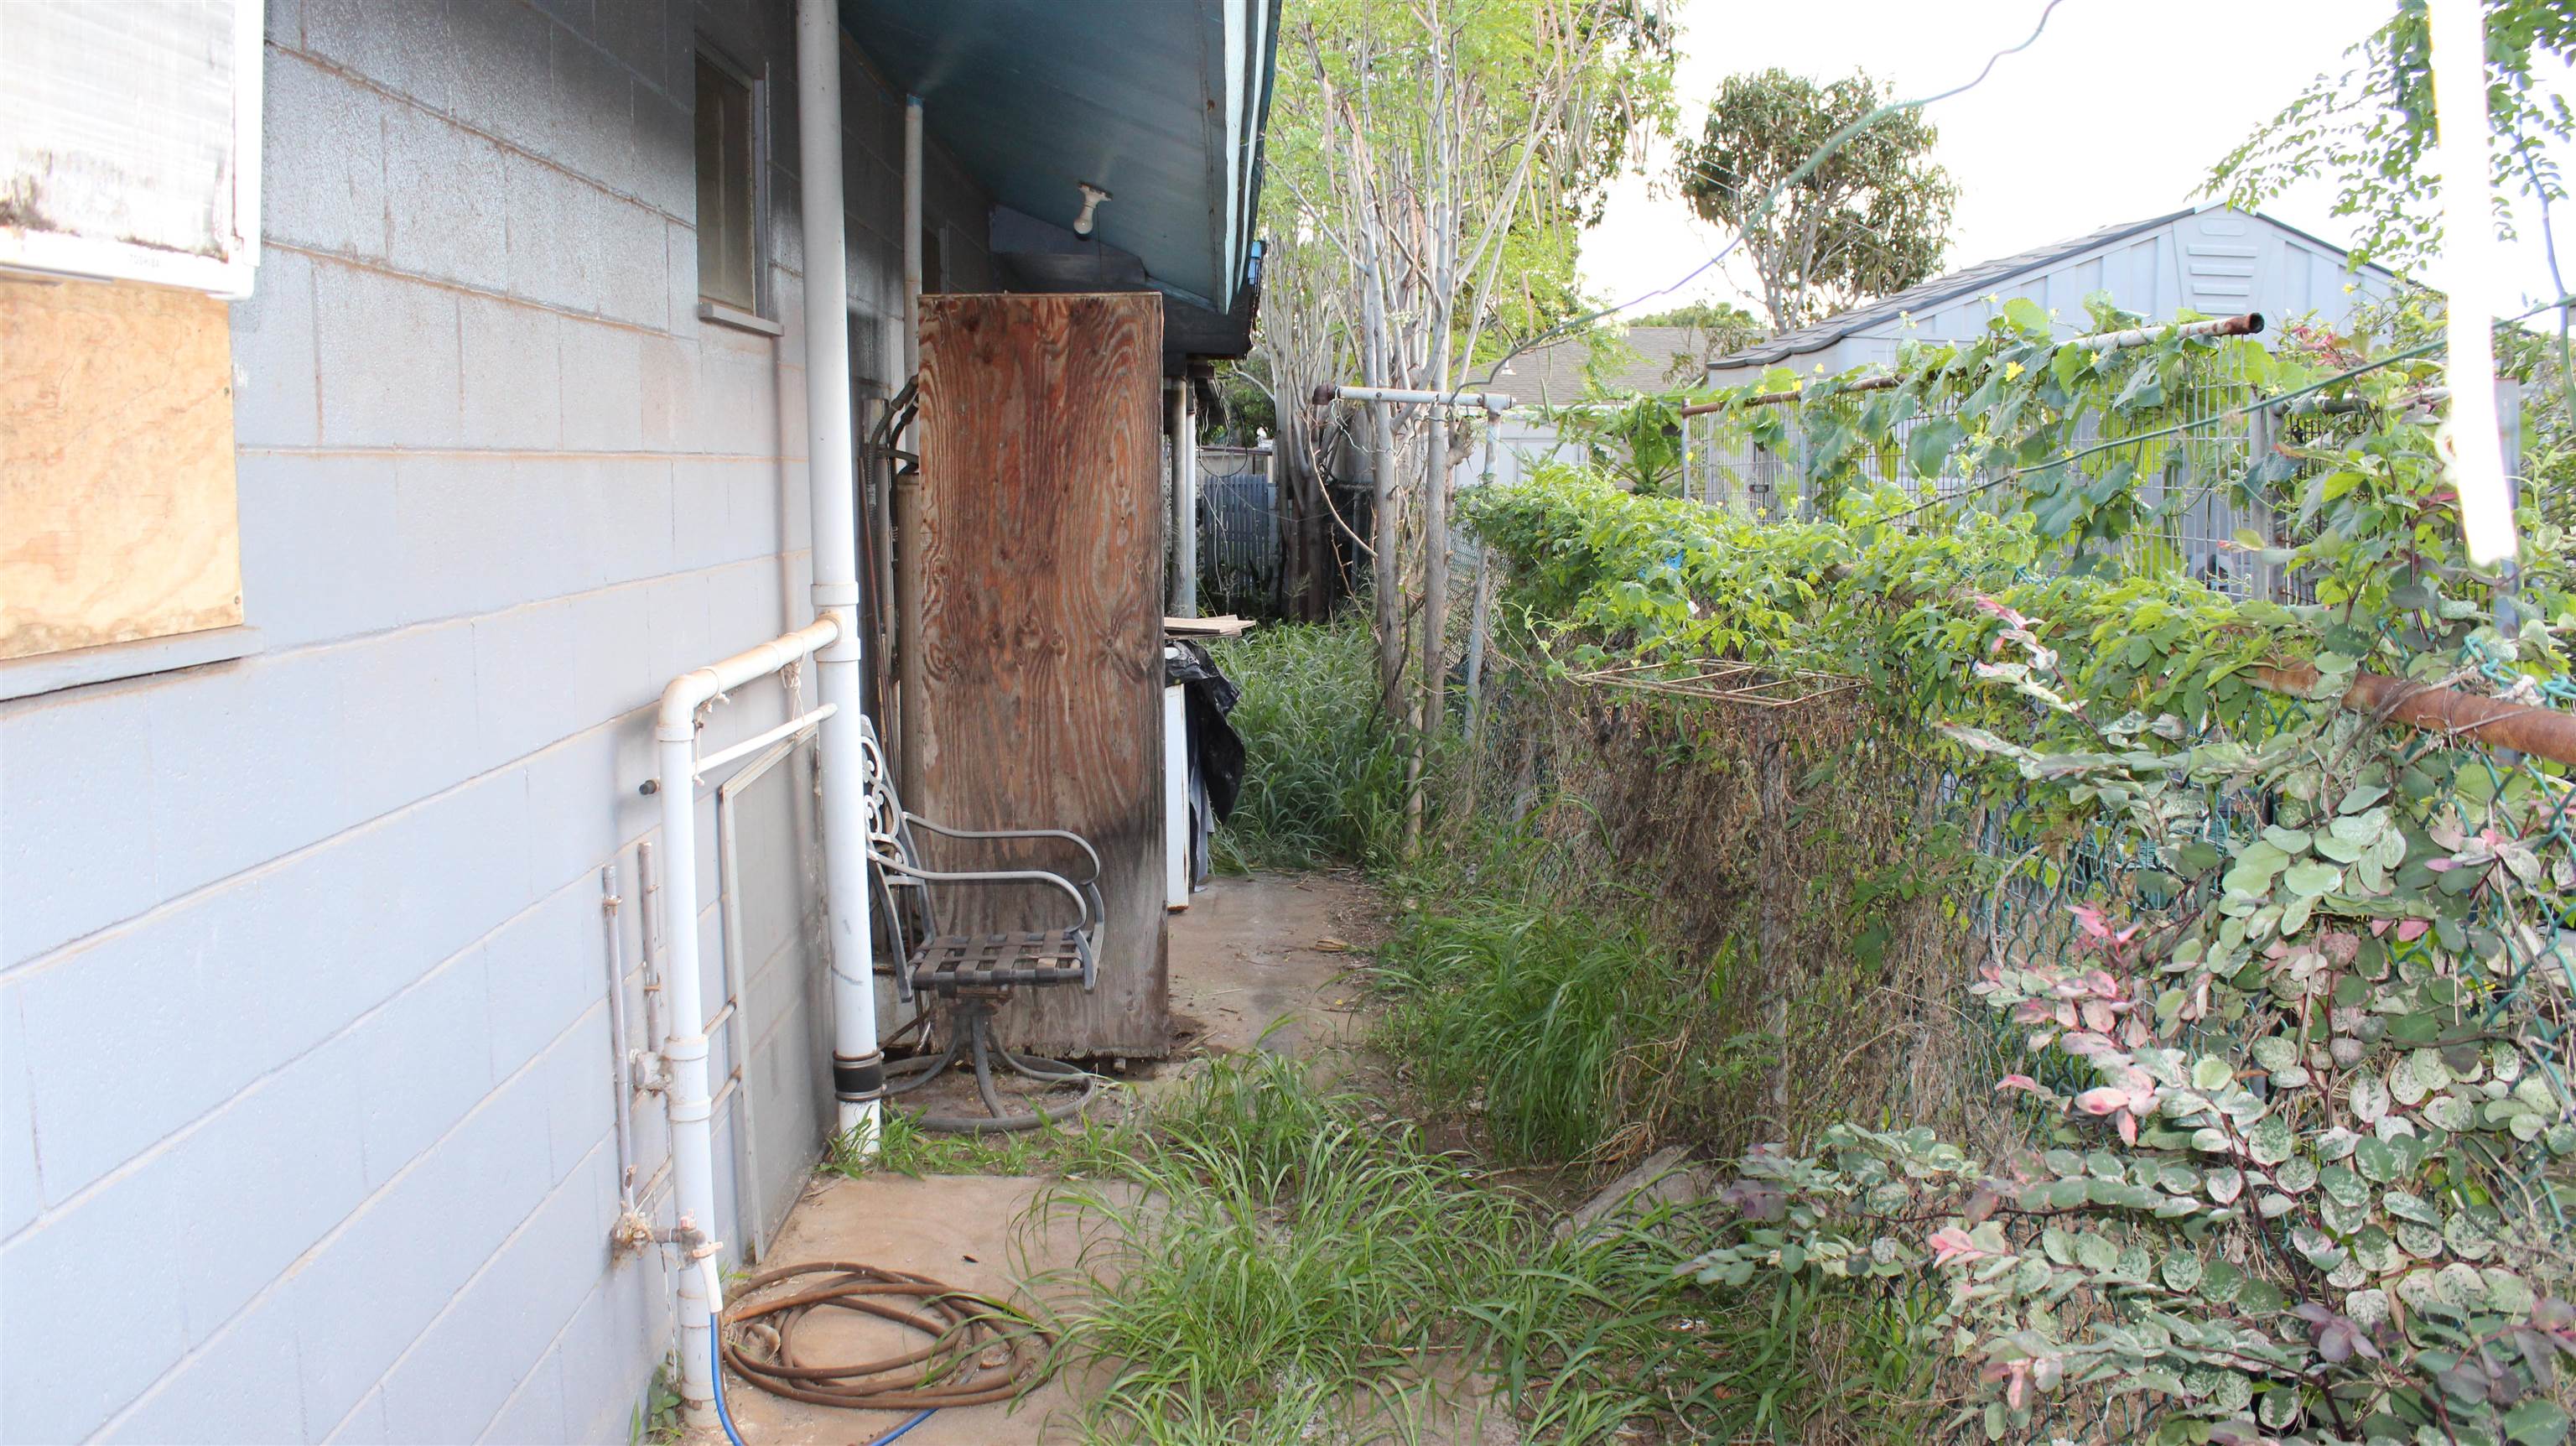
1077,840
1085,899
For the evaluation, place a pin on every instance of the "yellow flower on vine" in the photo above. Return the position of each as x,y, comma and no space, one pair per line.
2013,371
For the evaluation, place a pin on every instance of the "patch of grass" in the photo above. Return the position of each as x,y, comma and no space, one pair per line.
1552,1014
904,1148
1552,1023
1324,771
1278,1263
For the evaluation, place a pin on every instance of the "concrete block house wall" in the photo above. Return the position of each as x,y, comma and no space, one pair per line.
305,1100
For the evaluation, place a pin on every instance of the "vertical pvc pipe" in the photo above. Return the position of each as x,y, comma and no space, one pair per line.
912,223
1177,832
858,1068
906,503
692,1137
2476,453
1185,503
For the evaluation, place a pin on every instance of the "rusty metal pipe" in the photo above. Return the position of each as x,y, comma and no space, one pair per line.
2490,722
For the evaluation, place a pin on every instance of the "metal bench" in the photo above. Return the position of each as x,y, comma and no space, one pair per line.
974,975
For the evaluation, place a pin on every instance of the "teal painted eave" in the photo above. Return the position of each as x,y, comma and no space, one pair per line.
1159,102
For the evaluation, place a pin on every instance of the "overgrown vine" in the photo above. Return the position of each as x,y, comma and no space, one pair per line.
2299,1132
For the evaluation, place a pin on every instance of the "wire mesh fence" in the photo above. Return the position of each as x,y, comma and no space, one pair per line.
2191,488
2203,515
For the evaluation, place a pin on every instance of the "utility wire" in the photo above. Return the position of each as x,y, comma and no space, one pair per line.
1761,208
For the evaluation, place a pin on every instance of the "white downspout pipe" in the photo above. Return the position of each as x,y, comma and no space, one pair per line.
693,1173
1185,503
912,220
858,1068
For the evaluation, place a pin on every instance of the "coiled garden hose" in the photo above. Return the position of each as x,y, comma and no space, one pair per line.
978,1351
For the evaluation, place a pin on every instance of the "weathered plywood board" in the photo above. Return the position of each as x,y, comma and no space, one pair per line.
1038,666
117,519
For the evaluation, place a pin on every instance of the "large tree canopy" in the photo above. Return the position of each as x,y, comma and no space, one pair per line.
1871,218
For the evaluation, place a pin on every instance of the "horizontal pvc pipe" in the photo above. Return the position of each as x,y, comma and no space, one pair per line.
1489,401
678,720
797,724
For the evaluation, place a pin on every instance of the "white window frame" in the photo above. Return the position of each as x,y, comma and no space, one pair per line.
762,317
229,276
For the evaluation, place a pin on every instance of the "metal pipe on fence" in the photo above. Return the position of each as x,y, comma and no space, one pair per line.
2248,324
2492,722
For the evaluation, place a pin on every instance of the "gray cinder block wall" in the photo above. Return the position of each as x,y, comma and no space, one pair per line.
305,1100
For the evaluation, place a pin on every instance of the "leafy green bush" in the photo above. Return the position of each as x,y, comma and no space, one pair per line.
2288,987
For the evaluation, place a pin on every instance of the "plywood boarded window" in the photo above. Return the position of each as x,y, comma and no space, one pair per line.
117,518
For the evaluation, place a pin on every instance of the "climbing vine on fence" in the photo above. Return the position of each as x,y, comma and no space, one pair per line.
2301,1124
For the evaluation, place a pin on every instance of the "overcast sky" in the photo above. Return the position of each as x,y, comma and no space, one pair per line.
2116,114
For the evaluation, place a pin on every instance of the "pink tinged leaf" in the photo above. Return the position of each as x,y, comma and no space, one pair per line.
2098,1016
2067,1016
2378,927
2128,1127
2101,982
2103,1100
2410,930
2018,1082
2033,1011
2441,866
2017,1391
2091,919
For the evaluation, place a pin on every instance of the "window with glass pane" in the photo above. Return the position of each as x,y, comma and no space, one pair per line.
728,172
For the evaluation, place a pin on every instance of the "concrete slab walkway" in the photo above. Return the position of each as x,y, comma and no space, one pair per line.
1255,963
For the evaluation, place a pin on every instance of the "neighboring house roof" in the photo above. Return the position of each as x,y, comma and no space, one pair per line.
1557,373
1924,295
2227,263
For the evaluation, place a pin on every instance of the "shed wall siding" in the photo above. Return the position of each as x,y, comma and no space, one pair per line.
305,1113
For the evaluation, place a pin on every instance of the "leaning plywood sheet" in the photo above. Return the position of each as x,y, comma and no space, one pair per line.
1038,667
116,466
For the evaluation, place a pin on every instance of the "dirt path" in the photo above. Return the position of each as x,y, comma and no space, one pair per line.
1255,963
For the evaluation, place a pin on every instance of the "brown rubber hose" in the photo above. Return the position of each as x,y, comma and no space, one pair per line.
979,1350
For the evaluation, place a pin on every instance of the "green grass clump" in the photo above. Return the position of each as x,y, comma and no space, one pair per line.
1324,770
1555,1022
904,1148
1277,1263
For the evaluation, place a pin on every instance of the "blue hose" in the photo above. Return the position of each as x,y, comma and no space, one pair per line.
917,1419
715,1361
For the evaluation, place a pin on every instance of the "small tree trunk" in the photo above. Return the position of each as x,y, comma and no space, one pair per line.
1435,615
1385,581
